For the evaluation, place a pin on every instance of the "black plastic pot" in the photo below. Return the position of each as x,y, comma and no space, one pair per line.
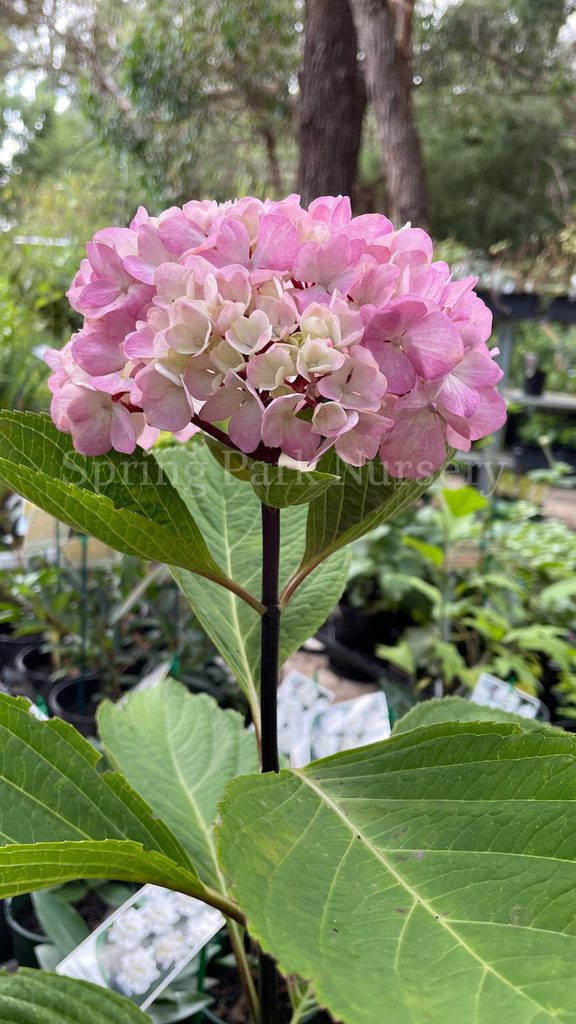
24,940
562,309
11,645
566,455
568,724
535,384
6,943
34,663
318,1018
528,457
65,700
515,306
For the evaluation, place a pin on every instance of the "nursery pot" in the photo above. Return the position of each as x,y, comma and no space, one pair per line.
529,457
24,940
562,309
514,306
206,1014
567,724
535,384
11,645
64,701
362,630
35,665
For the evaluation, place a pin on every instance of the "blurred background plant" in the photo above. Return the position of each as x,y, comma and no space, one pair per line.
468,585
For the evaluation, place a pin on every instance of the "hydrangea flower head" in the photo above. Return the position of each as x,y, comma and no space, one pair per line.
295,330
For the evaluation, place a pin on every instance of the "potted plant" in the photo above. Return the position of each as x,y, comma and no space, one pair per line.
337,870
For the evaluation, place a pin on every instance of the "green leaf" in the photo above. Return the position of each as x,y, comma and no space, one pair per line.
463,501
180,751
122,500
35,997
228,513
280,487
558,596
59,920
25,867
47,955
431,877
399,655
276,486
434,594
61,818
457,709
362,499
432,552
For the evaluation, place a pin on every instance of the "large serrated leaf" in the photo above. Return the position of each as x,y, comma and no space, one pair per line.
362,498
457,709
62,818
430,878
25,867
180,751
122,500
228,513
36,997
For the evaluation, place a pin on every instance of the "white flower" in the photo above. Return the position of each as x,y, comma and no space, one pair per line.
138,971
129,929
317,355
160,913
170,947
250,333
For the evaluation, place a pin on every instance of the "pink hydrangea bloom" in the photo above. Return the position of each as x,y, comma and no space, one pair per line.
293,330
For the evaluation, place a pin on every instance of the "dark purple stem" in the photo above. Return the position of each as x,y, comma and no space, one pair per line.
262,453
269,668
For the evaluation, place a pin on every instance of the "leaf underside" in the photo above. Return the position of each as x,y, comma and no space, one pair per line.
228,512
179,751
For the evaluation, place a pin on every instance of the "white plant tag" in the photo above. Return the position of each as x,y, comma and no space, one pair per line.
143,946
495,693
312,725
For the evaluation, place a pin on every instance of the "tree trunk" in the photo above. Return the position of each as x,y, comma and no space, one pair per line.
333,99
384,29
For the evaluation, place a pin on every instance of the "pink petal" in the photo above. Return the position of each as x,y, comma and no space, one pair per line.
222,404
395,365
416,446
105,262
433,345
393,320
277,243
489,416
97,298
140,344
179,234
122,429
478,369
457,396
92,436
233,243
300,442
245,426
333,210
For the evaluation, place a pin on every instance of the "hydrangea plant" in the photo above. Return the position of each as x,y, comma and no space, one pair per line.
315,370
